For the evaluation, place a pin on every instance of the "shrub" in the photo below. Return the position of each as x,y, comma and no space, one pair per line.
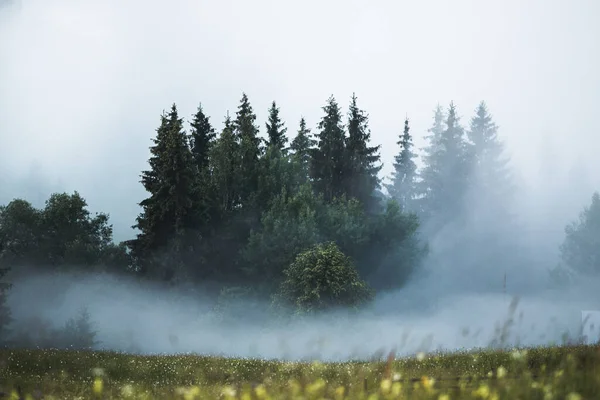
321,278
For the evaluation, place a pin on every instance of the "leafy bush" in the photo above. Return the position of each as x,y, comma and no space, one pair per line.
580,250
322,278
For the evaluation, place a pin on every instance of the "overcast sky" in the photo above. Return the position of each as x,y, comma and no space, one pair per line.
83,82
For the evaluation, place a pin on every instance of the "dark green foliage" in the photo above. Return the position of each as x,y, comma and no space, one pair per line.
246,133
301,148
289,227
328,161
404,177
62,234
361,160
225,170
322,278
580,250
395,250
169,217
275,129
202,136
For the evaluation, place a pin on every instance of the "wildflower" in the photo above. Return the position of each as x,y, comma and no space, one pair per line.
574,396
427,382
396,389
396,377
228,392
482,391
386,385
98,386
316,386
97,372
444,397
261,391
339,392
501,372
420,356
14,395
127,391
192,393
295,387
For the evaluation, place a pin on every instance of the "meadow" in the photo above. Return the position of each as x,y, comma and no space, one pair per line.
567,372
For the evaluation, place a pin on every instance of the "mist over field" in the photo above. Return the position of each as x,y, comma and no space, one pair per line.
82,85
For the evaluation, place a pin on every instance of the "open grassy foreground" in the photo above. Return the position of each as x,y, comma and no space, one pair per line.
548,373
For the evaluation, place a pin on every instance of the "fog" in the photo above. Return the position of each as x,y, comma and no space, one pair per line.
82,85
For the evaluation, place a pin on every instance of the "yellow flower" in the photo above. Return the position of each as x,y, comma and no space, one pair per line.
385,386
444,397
501,373
316,386
295,387
427,382
191,393
396,389
98,386
228,392
339,392
482,391
261,391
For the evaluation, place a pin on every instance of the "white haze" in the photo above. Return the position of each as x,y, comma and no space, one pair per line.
82,84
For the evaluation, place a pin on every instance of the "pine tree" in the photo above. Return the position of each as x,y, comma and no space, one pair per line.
444,179
246,133
489,167
301,147
168,213
225,169
201,138
328,161
403,187
361,169
430,159
275,129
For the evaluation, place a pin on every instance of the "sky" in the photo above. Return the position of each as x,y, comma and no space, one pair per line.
83,83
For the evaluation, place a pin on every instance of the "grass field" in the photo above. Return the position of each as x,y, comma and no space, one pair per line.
547,373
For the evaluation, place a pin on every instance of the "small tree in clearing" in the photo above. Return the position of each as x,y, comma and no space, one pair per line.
321,278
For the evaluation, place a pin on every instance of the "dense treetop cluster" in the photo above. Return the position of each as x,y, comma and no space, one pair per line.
303,220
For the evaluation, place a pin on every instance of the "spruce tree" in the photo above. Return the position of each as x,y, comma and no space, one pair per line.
328,161
403,187
246,133
276,129
489,166
201,138
225,169
301,148
445,176
168,213
361,160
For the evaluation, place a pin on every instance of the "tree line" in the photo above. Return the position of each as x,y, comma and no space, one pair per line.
305,223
